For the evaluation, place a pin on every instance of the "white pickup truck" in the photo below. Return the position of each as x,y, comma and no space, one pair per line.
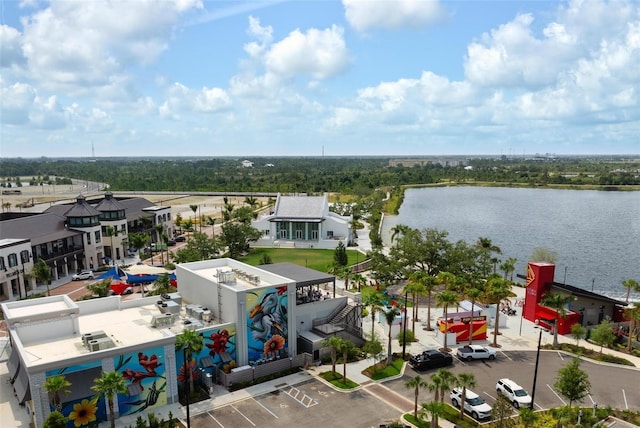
476,352
473,403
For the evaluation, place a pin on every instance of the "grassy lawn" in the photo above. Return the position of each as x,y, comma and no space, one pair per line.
450,413
312,258
382,371
337,380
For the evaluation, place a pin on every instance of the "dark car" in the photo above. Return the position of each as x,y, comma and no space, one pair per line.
171,242
430,359
180,238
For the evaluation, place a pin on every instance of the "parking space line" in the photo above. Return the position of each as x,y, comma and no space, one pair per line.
590,398
508,357
626,405
242,414
560,355
491,396
217,421
556,394
265,407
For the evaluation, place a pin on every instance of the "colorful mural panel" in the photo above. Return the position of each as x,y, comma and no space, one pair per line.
85,412
267,324
219,351
146,381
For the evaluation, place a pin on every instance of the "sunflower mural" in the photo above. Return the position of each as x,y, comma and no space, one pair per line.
145,373
267,324
82,411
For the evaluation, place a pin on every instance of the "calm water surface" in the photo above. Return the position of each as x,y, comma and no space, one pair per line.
595,234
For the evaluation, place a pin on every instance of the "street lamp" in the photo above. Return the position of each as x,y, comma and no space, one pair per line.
187,377
404,332
535,372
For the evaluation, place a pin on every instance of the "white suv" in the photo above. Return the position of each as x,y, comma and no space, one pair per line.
513,392
474,404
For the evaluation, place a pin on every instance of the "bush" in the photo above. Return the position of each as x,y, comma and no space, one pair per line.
410,337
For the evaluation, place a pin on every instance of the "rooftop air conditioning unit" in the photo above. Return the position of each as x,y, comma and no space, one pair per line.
100,344
162,320
87,337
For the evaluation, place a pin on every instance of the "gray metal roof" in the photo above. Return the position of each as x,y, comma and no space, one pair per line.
109,204
81,209
301,275
39,228
300,207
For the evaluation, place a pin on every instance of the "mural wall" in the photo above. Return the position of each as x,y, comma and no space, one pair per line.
267,324
219,351
146,381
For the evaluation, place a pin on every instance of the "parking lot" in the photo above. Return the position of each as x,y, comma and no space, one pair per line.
614,386
311,404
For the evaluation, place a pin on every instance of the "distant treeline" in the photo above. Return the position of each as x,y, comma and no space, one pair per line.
357,176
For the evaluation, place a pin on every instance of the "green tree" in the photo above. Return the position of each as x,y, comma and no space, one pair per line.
340,255
211,221
541,254
192,342
435,409
159,229
372,347
632,313
266,259
446,299
42,273
390,315
527,417
631,284
101,288
194,208
56,385
416,287
603,334
334,343
162,285
572,382
199,247
345,348
498,291
374,302
110,384
447,381
138,240
486,245
55,420
558,302
501,413
415,383
464,381
236,237
578,331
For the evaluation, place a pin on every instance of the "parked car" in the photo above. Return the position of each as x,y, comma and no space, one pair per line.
82,275
513,392
180,238
473,403
476,352
171,242
430,359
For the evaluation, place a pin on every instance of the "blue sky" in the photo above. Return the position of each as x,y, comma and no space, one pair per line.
289,78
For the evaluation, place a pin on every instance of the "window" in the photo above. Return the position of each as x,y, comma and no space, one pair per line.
2,266
13,260
24,256
266,232
98,240
89,238
330,234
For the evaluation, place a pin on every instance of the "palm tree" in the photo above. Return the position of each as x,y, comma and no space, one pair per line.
474,294
507,267
498,290
335,344
632,313
194,208
345,348
447,381
417,288
416,383
374,301
631,284
435,410
399,230
557,302
430,284
211,221
251,201
42,273
111,231
434,385
485,244
444,300
55,385
110,384
192,342
390,316
157,237
464,381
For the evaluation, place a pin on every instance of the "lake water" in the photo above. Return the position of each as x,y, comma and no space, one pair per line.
596,234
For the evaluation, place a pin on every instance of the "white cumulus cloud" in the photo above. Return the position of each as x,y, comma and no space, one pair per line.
366,15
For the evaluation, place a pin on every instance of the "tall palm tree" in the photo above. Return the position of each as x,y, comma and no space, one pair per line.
557,302
435,410
42,273
498,290
345,348
631,284
374,301
251,201
390,316
473,294
485,244
447,382
632,313
211,221
194,208
508,267
55,385
416,383
417,288
444,300
335,344
430,284
399,230
192,342
464,381
110,384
